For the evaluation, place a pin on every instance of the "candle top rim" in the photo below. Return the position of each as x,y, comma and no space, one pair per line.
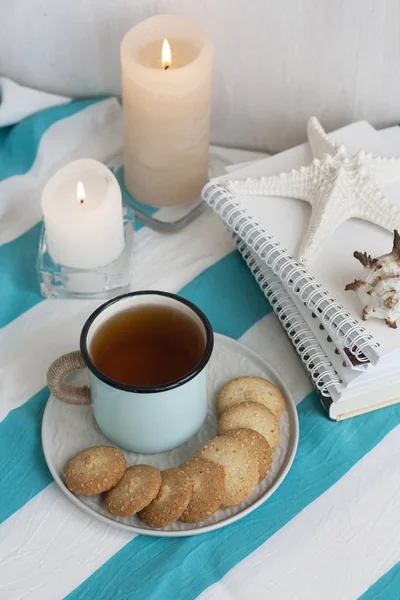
145,33
76,169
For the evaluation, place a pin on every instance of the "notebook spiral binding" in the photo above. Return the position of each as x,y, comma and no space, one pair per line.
346,330
314,359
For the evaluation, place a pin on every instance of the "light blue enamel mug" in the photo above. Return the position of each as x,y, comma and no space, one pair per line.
142,419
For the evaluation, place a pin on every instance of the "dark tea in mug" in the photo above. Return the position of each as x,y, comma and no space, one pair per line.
148,345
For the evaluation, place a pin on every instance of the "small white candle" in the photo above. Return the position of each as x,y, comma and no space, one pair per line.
82,208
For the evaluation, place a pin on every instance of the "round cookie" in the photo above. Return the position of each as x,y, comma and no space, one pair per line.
172,499
239,464
251,415
208,480
259,445
94,470
251,389
137,488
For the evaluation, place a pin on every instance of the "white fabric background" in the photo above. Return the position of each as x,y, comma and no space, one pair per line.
276,62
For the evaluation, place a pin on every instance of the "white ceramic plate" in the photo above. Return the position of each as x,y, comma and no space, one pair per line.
68,429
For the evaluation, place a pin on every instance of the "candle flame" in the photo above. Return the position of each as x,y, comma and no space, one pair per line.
80,192
166,54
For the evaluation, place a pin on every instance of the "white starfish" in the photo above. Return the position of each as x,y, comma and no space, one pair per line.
338,185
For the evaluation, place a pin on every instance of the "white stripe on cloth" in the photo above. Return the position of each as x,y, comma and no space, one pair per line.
31,342
95,132
337,547
18,101
50,546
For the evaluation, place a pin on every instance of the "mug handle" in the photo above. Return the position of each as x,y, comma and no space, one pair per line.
71,394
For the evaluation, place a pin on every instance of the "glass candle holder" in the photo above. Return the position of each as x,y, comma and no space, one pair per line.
108,281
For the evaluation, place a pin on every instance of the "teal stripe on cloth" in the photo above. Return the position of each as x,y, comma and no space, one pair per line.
4,131
386,588
18,146
19,289
23,470
166,569
232,316
228,277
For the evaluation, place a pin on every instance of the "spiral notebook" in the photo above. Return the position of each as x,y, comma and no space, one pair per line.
353,365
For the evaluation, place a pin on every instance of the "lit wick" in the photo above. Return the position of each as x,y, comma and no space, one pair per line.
80,192
166,55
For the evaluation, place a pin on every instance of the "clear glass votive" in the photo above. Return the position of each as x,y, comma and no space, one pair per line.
59,281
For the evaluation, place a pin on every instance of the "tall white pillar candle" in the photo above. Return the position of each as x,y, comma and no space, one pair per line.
82,209
166,109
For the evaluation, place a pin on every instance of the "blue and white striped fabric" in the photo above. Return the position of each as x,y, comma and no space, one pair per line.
331,531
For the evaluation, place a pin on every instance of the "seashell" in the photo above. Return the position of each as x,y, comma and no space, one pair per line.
379,289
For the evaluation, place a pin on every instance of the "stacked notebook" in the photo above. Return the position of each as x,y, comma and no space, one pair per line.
355,366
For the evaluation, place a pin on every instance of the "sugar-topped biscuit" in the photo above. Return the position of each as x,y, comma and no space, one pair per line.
137,488
251,389
251,415
239,464
208,480
171,501
95,470
257,444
